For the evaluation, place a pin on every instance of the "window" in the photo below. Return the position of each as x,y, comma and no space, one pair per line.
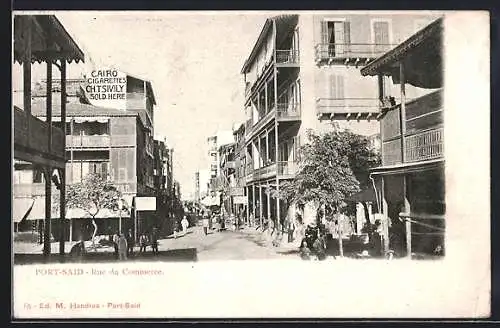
337,35
381,36
336,87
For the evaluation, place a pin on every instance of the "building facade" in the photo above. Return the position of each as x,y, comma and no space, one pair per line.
116,144
303,74
411,181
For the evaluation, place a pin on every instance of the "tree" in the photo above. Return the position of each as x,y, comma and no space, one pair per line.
333,166
92,195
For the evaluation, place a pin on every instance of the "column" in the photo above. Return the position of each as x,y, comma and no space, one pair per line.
62,172
248,204
276,137
259,155
48,207
385,211
260,204
27,73
254,200
407,209
268,201
402,112
267,145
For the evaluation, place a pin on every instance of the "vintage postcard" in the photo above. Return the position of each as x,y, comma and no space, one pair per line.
213,164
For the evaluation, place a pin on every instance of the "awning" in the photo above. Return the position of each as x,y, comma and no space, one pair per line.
408,167
49,39
101,119
367,195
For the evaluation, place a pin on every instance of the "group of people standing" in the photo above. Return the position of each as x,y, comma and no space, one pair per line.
124,243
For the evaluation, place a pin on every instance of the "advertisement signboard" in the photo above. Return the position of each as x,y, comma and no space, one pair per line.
106,87
145,203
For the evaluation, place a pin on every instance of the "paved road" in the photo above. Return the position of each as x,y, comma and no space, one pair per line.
224,245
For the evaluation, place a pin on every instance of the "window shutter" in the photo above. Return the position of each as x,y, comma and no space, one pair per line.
324,32
347,37
332,87
340,87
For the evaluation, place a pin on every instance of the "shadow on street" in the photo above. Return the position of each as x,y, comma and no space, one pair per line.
174,255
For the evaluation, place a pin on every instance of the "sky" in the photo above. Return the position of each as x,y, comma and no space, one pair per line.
193,61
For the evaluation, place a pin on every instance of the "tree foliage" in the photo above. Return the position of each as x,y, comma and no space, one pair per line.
92,195
333,166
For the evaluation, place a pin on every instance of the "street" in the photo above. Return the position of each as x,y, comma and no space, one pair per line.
245,244
224,245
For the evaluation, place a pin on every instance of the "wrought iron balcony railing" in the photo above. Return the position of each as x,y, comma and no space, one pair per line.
343,51
287,57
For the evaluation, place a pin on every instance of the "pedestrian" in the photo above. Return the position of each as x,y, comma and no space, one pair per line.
185,224
154,241
122,247
116,238
205,224
291,229
130,242
305,252
319,247
143,242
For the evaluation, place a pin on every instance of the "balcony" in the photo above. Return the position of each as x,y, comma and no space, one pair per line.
423,146
92,142
348,108
284,170
288,111
287,58
419,147
34,142
349,53
424,131
287,169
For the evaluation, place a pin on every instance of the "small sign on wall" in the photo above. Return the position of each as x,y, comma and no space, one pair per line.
145,203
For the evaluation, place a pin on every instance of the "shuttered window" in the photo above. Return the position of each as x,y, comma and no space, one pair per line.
381,37
336,87
337,34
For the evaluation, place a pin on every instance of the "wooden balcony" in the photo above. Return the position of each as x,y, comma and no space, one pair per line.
347,108
424,137
88,142
32,144
284,170
349,53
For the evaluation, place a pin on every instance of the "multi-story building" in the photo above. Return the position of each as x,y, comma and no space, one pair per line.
411,181
38,143
163,177
221,138
237,189
114,143
303,73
